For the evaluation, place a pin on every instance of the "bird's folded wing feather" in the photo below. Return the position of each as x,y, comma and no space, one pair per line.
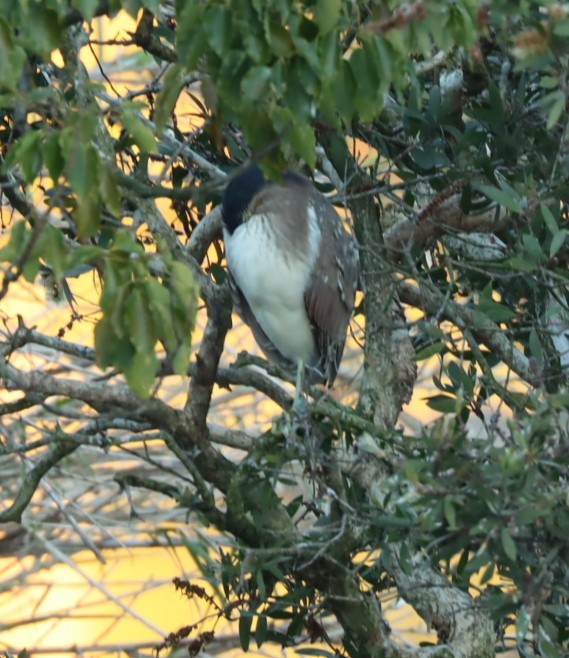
330,295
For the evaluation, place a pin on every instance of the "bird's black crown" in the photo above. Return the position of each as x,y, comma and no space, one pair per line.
239,194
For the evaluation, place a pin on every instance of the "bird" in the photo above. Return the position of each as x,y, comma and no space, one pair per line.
293,270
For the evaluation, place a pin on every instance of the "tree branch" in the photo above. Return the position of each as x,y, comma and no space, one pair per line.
429,298
207,230
213,465
32,479
144,38
409,235
461,625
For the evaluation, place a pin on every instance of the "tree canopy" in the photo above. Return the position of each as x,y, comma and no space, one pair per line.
440,129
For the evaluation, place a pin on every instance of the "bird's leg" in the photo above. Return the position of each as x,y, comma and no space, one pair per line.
300,405
300,412
300,417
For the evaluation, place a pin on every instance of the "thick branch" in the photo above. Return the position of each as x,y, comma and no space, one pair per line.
207,359
411,234
24,336
429,297
144,38
455,615
243,376
208,229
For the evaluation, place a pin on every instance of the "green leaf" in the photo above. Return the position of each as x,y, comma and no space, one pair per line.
245,621
18,238
185,291
87,215
549,82
160,304
54,251
172,85
123,242
329,52
279,39
496,103
559,400
141,372
561,27
547,647
503,198
467,32
139,320
488,573
77,258
496,311
110,348
261,630
86,7
508,544
303,141
134,6
30,269
461,378
255,83
520,264
443,403
410,471
81,164
300,84
309,51
28,154
114,281
110,191
549,219
431,350
181,356
216,27
405,561
12,58
327,14
450,512
153,5
52,155
555,112
532,248
140,132
391,521
41,30
429,157
523,620
535,346
190,40
557,242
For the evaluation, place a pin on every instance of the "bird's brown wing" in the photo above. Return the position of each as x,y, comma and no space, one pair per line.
331,291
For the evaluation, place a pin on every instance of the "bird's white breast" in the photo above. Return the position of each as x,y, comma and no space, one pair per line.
273,284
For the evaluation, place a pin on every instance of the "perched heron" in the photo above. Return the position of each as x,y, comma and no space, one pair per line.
293,270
